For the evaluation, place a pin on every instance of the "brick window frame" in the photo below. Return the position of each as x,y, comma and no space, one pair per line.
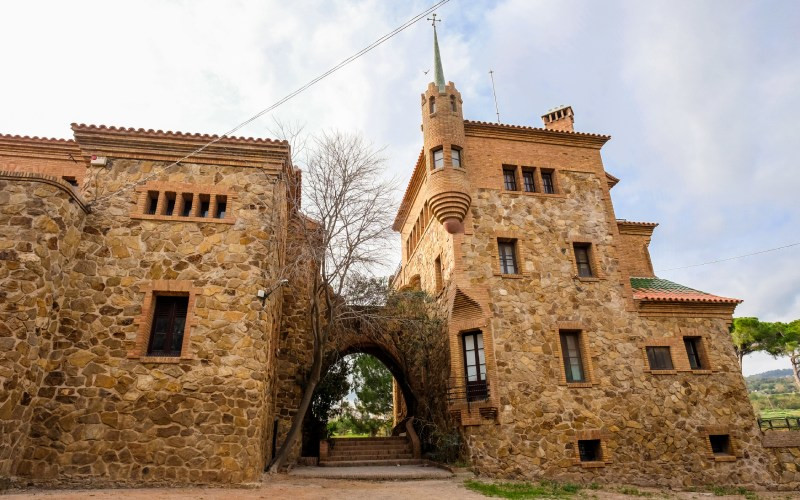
665,342
519,168
715,430
705,359
586,355
145,319
518,251
677,351
592,435
597,271
180,192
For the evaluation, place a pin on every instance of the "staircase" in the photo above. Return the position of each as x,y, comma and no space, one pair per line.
354,452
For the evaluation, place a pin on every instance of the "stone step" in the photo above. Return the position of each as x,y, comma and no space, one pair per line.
368,456
340,453
368,463
389,439
343,446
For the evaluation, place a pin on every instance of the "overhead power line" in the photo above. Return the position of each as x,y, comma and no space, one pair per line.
732,258
289,96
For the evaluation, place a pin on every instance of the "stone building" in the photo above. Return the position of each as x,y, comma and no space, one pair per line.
134,347
569,358
137,347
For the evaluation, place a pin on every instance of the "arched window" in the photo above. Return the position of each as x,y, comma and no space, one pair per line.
455,154
453,103
432,105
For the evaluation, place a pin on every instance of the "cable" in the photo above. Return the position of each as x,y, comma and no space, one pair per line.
732,258
291,95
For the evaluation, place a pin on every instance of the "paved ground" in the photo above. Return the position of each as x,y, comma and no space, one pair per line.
381,473
299,487
279,487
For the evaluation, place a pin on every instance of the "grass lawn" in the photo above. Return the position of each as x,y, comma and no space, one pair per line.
543,489
779,413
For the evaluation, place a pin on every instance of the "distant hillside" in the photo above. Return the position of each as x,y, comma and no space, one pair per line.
772,382
771,374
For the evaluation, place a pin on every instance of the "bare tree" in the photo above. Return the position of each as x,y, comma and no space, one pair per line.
343,232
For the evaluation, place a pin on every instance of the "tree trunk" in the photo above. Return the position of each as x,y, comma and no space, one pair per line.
297,421
795,358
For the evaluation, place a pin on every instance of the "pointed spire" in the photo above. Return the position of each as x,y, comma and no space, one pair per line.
438,72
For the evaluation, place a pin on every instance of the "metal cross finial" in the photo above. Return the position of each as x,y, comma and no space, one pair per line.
433,20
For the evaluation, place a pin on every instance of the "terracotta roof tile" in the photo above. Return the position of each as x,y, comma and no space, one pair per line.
36,138
171,134
658,289
539,129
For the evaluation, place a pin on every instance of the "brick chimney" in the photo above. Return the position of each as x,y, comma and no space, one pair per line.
560,118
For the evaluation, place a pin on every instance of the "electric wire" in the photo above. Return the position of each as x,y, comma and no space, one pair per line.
286,98
732,258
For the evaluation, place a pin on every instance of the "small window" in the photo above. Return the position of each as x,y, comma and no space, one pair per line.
70,180
187,204
205,205
510,178
659,358
456,156
693,351
453,103
571,352
720,444
590,450
169,322
582,259
222,206
508,256
170,209
547,182
432,105
438,158
528,179
438,270
152,203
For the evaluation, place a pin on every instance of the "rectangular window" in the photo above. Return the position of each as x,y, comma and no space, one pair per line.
222,205
693,351
205,205
432,105
720,444
170,209
152,203
571,352
453,103
475,366
187,204
590,450
528,179
438,158
169,322
582,260
508,256
547,182
438,271
659,358
510,178
456,153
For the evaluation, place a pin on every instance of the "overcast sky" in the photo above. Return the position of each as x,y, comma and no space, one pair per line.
700,97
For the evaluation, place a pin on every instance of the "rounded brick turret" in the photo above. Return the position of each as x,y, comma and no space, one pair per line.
443,136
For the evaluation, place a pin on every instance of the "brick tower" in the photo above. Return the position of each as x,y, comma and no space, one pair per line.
443,139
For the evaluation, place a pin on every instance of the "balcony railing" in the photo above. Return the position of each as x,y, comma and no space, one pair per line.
461,390
779,423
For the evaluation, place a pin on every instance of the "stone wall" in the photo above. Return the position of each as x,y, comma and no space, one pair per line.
109,414
40,223
653,426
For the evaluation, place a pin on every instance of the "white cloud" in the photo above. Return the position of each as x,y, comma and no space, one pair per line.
701,97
